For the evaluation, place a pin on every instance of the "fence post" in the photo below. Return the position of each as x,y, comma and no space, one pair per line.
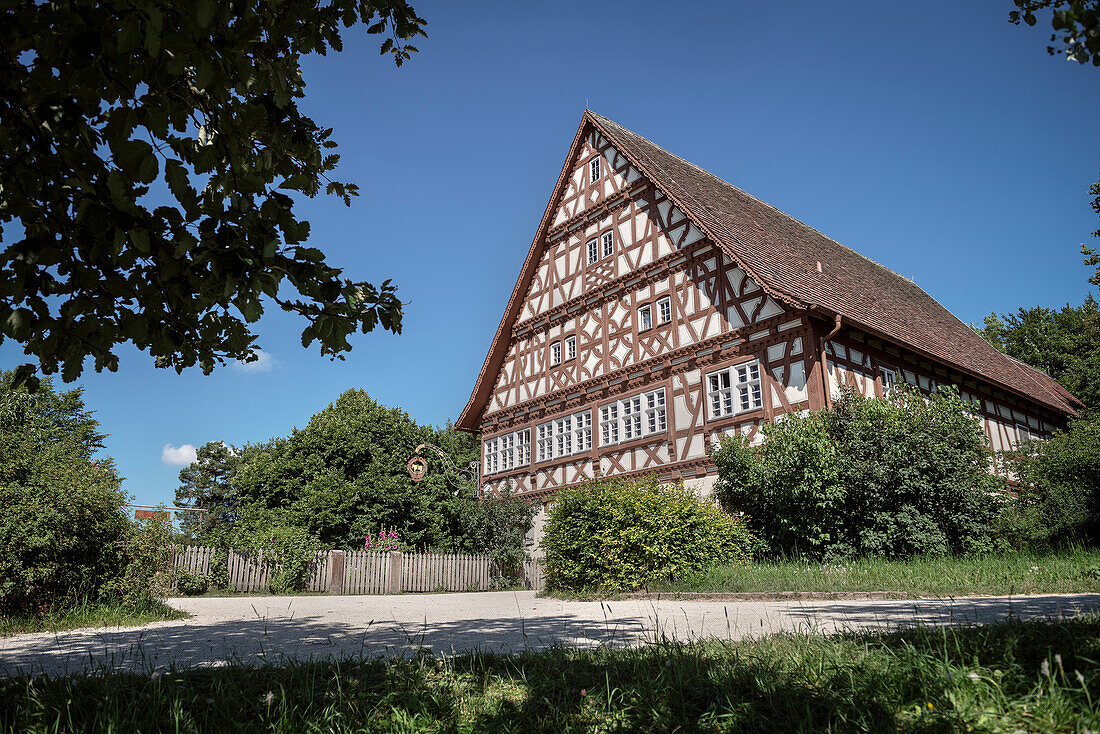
394,585
335,584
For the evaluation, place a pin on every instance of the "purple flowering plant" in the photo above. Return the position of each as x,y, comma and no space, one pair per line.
385,541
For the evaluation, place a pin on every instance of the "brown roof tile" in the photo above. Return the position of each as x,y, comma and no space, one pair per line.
783,253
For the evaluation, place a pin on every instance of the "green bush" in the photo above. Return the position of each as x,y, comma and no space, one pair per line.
61,533
63,524
147,571
499,527
620,534
189,583
290,554
1057,501
889,478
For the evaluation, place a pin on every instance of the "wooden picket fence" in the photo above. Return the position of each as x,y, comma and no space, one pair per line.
365,572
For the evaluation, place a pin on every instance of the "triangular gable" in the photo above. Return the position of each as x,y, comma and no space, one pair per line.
551,260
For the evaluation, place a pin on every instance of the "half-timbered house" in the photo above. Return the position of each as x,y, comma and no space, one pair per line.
660,307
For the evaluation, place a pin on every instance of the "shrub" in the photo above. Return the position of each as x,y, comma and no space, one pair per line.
497,526
891,478
290,554
620,534
189,583
62,531
1058,498
147,570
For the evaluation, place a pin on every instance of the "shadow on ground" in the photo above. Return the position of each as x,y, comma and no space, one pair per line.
318,632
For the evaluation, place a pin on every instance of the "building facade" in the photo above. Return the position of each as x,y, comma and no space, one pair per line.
660,308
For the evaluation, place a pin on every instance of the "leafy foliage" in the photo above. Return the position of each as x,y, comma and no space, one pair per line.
191,584
1076,21
620,534
147,571
207,483
892,478
63,511
1065,344
150,154
290,553
342,478
1058,500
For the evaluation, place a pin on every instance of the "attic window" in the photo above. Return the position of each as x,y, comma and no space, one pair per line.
608,241
664,310
594,170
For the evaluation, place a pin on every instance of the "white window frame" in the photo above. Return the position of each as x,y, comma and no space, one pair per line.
565,436
735,390
555,353
645,318
593,246
887,375
506,452
594,169
607,244
664,310
570,347
634,417
1031,434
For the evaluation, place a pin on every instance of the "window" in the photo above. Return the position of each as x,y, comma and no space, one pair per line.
1025,433
645,318
609,424
570,347
664,310
593,250
555,353
594,170
734,390
889,378
655,411
608,241
565,436
507,451
633,417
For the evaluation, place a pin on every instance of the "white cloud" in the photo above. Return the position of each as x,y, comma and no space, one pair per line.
264,363
178,455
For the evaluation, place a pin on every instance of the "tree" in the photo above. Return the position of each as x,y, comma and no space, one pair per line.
207,483
1077,22
1064,343
1092,258
150,153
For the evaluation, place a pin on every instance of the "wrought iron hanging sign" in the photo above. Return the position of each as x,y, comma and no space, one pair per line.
418,467
467,479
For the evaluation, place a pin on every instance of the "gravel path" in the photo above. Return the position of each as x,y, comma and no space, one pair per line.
255,629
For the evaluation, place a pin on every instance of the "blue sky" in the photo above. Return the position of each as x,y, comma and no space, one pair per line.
935,138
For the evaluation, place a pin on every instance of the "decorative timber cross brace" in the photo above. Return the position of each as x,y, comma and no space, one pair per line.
468,478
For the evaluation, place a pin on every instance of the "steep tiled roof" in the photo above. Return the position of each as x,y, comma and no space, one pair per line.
783,254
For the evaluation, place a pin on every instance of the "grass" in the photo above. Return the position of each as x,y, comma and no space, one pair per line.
89,614
1076,570
1015,676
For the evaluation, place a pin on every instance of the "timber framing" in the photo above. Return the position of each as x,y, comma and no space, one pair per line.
666,281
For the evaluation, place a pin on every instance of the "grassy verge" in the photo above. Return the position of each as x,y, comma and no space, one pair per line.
1071,571
89,614
1033,677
